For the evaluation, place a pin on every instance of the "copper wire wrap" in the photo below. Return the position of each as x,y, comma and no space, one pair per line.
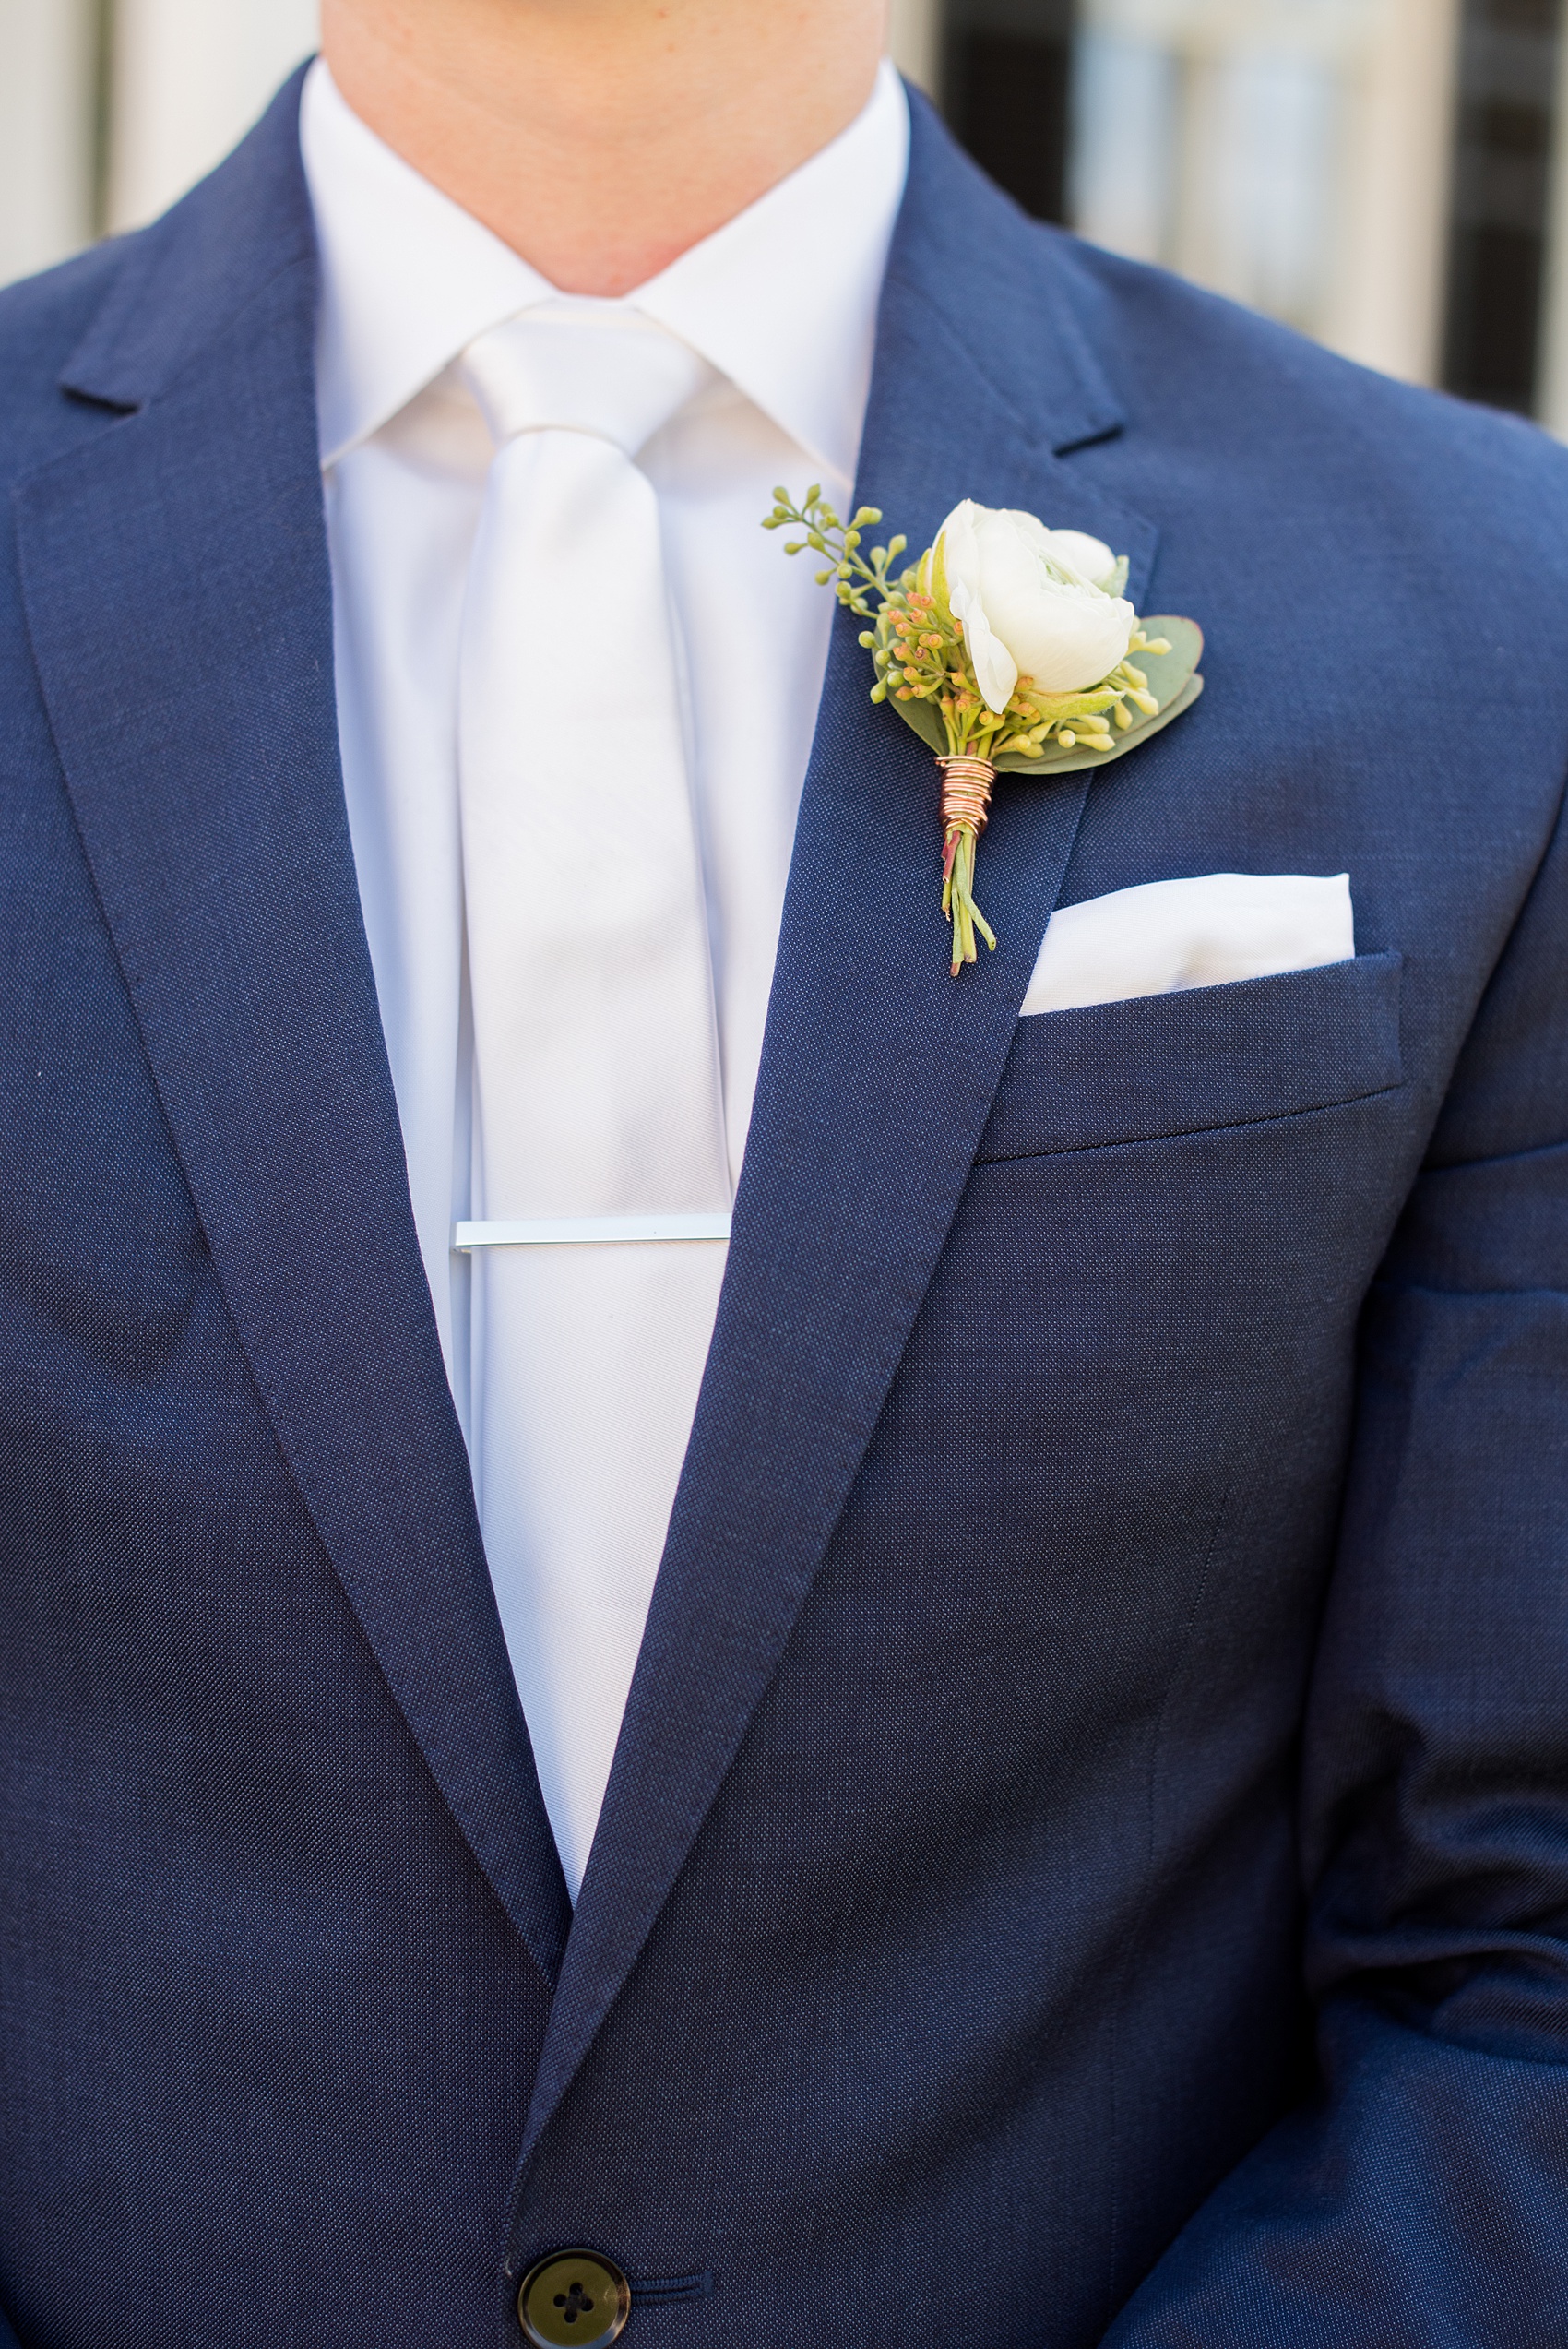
966,791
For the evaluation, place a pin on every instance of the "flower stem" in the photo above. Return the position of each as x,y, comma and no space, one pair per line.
966,806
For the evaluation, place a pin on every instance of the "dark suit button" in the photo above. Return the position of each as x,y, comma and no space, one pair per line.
573,2300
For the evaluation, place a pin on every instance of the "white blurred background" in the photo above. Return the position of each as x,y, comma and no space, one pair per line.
1385,175
109,109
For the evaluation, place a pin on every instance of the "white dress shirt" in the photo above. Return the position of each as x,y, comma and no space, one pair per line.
782,303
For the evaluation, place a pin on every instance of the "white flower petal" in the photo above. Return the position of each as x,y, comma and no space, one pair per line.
960,549
1075,636
996,672
1089,557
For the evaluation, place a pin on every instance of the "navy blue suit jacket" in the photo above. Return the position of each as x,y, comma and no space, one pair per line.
1088,1856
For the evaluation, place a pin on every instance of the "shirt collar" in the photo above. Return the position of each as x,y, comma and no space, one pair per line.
782,298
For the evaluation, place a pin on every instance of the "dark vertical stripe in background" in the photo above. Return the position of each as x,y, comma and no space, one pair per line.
1007,70
1502,197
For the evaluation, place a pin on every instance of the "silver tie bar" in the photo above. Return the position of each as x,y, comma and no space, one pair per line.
579,1231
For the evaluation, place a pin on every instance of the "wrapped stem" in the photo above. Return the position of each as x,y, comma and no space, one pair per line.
966,810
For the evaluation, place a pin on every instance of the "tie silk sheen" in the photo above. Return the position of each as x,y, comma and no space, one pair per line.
595,1066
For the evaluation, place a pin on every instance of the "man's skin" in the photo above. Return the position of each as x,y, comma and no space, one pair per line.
601,139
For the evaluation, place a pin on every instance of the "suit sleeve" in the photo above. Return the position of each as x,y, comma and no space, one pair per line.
1420,2201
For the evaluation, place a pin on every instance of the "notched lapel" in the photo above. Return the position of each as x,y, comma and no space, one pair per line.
877,1076
177,589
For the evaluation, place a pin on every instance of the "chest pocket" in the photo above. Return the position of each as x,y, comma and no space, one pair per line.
1198,1060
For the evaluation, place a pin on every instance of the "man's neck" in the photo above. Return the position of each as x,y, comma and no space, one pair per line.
601,139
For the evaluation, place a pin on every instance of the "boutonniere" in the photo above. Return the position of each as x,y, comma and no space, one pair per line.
1010,649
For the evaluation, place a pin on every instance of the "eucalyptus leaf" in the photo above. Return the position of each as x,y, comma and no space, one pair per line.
1172,680
926,720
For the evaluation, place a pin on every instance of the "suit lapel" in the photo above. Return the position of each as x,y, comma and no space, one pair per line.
177,589
878,1075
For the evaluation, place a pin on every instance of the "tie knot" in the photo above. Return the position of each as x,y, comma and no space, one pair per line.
609,372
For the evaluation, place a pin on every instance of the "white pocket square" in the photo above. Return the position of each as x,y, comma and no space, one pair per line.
1168,935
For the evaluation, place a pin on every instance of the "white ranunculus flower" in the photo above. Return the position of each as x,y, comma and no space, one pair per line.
1021,616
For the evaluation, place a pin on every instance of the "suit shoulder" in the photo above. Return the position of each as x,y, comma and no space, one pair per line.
1221,385
42,319
1195,357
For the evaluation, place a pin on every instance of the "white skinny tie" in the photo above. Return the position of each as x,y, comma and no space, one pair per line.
596,1089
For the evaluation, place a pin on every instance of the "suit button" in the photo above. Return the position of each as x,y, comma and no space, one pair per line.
573,2300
